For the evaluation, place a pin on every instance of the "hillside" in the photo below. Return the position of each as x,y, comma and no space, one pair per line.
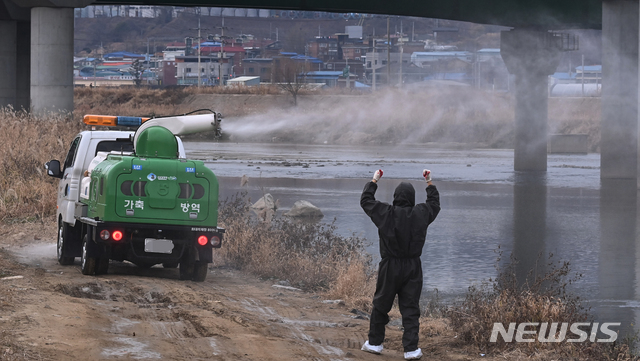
133,34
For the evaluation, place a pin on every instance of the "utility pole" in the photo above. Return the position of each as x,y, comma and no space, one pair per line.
582,74
373,64
148,60
400,62
388,53
348,75
221,57
413,31
199,49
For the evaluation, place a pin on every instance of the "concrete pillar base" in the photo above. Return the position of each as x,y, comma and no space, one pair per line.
619,126
8,60
23,76
51,59
531,56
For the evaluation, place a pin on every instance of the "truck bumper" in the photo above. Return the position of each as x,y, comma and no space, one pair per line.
151,243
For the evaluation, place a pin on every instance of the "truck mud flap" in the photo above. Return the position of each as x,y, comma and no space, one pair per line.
95,249
204,254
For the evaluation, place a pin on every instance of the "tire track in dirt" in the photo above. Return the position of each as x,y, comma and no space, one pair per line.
148,314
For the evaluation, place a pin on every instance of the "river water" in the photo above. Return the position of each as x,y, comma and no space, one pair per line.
486,205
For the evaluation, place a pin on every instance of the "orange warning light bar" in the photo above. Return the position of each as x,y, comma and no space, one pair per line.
113,121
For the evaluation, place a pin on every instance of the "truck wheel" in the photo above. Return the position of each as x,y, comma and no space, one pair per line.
87,264
63,233
102,266
187,263
200,270
186,269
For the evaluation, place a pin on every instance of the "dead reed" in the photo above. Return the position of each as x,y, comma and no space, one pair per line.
540,298
311,256
129,101
28,141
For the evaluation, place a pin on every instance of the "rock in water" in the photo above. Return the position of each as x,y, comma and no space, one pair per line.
265,207
304,209
266,202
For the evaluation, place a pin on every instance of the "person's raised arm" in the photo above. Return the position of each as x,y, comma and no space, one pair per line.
433,196
376,210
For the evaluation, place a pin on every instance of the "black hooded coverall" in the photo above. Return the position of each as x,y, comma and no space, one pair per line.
402,228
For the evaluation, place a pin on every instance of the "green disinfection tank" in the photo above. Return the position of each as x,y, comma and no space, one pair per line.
154,186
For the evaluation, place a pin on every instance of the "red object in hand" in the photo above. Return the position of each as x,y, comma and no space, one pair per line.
427,175
377,175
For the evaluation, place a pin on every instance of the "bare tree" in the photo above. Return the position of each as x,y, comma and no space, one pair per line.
291,75
136,70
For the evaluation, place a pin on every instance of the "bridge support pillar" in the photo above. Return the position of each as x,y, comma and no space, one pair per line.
531,56
8,62
619,125
52,59
14,64
23,66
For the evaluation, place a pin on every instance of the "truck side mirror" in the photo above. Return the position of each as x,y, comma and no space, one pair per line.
53,168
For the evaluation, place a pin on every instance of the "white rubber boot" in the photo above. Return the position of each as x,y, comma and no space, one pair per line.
377,349
413,355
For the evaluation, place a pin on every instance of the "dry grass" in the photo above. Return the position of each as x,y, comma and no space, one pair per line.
310,256
355,284
576,116
263,89
129,101
28,141
543,298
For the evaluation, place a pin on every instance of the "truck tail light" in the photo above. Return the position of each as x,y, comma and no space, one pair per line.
117,235
203,240
215,241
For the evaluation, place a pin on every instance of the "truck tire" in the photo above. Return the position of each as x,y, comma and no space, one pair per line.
200,270
87,264
186,270
102,266
187,263
63,234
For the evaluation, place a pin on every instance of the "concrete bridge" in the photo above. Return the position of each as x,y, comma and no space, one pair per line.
36,58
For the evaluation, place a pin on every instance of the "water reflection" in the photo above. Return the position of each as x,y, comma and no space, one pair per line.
567,212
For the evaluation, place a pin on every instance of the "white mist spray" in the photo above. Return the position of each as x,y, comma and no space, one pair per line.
445,114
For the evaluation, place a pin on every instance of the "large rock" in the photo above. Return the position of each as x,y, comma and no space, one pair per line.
266,202
304,209
265,207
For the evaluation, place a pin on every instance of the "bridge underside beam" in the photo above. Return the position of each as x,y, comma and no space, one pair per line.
546,14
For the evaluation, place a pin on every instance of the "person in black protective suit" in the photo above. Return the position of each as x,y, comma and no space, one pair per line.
402,228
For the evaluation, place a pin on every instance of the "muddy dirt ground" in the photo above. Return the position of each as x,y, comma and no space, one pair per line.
53,312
